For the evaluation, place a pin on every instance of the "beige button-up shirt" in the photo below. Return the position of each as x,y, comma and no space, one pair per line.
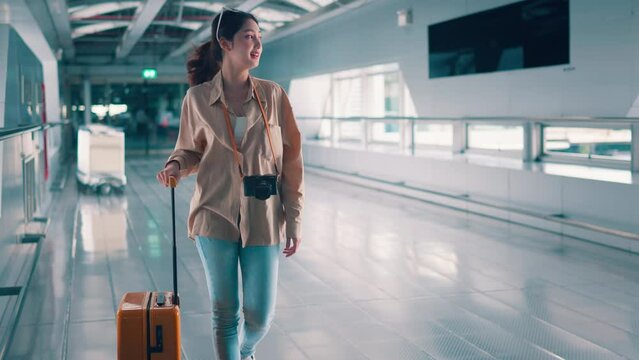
219,208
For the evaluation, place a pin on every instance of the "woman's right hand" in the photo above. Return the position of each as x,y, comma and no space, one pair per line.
171,170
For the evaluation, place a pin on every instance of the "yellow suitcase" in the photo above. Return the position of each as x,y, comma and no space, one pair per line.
148,323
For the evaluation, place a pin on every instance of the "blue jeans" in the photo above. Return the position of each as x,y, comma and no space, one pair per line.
259,266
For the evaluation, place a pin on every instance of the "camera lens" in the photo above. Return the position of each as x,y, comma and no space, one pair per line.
262,190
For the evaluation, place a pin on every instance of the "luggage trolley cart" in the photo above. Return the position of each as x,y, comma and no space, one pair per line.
100,158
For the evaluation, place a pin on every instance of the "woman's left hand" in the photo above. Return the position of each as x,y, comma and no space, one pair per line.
292,244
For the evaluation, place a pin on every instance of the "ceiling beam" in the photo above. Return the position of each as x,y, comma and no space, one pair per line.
203,33
97,28
60,16
88,40
186,23
103,8
82,25
285,7
311,19
142,19
307,5
204,6
86,3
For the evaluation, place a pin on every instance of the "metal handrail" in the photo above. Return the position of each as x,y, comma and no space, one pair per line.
533,130
21,130
577,119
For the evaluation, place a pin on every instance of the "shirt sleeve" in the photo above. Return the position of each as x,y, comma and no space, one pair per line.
292,169
191,140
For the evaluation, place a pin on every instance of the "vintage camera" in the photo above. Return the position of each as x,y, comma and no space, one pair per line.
260,186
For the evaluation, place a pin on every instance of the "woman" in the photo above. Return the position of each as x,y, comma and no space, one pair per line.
239,135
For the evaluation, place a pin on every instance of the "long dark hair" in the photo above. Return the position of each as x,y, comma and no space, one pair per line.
205,61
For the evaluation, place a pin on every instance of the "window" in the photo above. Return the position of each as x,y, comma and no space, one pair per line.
605,143
373,92
391,94
496,137
347,97
433,135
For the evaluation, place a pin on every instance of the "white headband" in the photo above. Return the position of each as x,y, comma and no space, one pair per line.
217,31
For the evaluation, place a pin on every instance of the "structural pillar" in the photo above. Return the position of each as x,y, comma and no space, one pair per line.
533,142
460,137
87,101
634,148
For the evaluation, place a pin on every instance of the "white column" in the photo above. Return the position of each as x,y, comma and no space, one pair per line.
634,148
51,89
413,130
403,130
334,132
532,141
87,101
365,126
460,137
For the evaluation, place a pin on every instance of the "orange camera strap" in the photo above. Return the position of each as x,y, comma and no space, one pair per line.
232,134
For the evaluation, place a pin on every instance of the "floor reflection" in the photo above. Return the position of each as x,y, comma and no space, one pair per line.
102,224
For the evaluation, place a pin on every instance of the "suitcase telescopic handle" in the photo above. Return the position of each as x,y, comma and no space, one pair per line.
173,184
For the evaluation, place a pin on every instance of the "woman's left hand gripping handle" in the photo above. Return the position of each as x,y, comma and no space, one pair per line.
170,172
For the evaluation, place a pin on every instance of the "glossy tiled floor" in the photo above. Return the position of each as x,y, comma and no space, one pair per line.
378,277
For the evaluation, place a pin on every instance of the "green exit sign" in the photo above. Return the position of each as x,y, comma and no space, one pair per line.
149,74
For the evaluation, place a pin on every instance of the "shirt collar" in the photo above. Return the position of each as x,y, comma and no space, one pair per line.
217,92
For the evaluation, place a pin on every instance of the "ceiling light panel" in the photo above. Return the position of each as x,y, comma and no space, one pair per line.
96,28
99,9
215,7
307,5
323,3
271,15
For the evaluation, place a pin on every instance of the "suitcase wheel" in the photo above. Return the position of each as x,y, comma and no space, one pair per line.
81,186
105,189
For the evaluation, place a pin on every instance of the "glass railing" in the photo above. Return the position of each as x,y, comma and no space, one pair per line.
496,137
604,142
589,142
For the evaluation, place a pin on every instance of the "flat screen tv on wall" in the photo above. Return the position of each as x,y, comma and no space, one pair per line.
521,35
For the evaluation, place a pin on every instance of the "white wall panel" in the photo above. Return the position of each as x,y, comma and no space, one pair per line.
535,95
448,175
537,191
601,79
477,87
20,18
608,202
1,161
491,182
634,34
473,6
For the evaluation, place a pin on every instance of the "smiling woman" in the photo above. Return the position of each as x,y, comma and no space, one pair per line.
239,134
